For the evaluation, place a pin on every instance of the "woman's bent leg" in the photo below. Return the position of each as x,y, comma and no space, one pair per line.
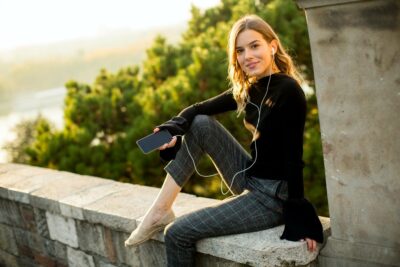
208,136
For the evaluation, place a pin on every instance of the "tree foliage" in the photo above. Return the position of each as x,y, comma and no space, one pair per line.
104,119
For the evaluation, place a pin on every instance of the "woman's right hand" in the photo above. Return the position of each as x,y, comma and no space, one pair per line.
167,145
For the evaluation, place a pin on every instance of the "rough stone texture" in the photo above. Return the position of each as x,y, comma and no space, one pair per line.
21,190
99,262
356,59
7,240
263,248
122,207
62,229
130,255
109,245
208,260
41,223
91,238
153,253
68,184
78,258
13,173
10,214
8,260
98,216
12,167
72,206
29,242
7,181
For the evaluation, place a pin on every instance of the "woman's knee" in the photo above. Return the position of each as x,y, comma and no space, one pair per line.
200,126
173,234
176,233
201,121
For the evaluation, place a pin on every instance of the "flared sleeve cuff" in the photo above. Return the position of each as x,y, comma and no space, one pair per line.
301,221
170,153
176,126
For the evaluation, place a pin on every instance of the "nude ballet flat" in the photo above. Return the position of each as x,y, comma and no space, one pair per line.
141,235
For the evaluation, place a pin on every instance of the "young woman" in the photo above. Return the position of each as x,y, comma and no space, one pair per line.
268,184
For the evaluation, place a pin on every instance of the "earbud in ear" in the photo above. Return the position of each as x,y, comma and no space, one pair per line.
273,51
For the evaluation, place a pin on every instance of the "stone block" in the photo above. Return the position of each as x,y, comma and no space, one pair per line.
262,248
122,207
8,260
25,252
3,192
7,180
21,190
25,170
26,262
10,213
62,229
28,217
6,167
46,261
91,238
208,260
101,262
41,223
109,245
78,258
65,184
7,240
130,255
28,241
72,206
17,215
152,253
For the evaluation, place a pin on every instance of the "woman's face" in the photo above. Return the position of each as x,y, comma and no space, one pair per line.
254,54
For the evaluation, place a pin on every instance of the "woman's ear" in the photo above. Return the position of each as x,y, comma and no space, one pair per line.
274,47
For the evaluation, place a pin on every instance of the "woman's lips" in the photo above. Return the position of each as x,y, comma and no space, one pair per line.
251,65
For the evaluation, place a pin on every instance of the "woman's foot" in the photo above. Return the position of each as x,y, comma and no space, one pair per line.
151,224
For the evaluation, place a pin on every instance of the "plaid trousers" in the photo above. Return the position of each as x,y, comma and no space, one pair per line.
256,204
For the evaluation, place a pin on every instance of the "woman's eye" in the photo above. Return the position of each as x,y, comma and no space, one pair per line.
254,46
239,51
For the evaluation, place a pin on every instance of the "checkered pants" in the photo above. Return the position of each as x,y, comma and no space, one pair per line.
256,204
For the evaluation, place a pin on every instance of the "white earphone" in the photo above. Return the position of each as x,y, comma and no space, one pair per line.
273,51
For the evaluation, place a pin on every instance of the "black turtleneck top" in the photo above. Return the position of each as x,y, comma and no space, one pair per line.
279,141
279,137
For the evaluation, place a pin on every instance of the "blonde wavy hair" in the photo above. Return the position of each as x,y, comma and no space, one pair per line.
238,78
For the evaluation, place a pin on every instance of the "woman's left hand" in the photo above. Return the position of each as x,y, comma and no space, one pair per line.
311,244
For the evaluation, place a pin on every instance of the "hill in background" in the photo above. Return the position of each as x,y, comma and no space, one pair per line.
48,66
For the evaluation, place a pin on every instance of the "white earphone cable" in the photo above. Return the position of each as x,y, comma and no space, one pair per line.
255,141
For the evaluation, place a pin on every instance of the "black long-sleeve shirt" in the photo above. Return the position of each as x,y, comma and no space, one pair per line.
279,136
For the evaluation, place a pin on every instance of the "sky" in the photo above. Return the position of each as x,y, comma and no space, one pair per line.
35,22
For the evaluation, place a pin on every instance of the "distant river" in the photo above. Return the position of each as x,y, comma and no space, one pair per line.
48,102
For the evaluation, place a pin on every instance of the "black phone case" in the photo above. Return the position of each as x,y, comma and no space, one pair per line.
153,141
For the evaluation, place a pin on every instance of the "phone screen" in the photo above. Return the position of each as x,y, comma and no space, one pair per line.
154,141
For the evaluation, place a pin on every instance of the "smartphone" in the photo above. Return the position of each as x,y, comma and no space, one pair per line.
153,141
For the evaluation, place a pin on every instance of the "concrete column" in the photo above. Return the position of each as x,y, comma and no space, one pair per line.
356,57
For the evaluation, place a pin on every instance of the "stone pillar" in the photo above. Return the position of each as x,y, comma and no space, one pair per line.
356,57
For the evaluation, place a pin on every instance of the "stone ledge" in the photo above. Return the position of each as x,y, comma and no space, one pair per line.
121,206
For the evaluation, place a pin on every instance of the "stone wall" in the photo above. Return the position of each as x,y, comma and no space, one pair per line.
53,218
356,59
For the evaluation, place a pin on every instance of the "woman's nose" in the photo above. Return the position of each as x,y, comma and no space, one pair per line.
247,54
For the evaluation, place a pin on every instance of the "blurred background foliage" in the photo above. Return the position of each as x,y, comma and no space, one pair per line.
104,119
